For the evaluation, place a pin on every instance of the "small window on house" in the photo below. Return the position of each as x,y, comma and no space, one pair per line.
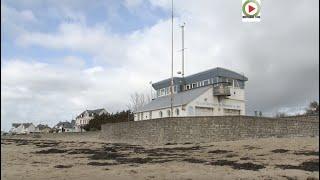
150,115
162,92
194,85
205,82
160,114
168,113
177,112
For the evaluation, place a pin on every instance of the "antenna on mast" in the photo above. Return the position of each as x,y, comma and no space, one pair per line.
182,50
171,84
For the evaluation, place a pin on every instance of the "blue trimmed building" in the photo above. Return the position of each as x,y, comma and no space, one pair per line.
215,92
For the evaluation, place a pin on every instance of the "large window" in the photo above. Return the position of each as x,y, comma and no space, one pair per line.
160,114
177,112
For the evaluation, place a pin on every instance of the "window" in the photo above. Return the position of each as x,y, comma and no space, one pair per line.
193,85
236,83
162,92
150,115
188,87
138,116
168,113
160,114
177,112
205,82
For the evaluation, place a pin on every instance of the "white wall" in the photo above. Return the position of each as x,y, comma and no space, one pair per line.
235,101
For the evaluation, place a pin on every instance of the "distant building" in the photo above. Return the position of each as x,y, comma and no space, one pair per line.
85,117
64,127
215,92
22,128
43,128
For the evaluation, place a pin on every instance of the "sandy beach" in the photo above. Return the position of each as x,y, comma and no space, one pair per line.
84,156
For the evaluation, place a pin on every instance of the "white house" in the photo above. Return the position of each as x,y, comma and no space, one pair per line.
85,117
22,128
215,92
65,127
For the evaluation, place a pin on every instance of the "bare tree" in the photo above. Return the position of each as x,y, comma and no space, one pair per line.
313,108
138,100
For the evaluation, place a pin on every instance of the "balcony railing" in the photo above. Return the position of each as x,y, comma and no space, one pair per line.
221,91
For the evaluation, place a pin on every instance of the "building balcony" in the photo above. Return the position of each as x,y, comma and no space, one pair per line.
221,91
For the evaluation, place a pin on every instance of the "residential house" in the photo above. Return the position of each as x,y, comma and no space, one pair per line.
85,117
215,92
43,128
64,127
22,128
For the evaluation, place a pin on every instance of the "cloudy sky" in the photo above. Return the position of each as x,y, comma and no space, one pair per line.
59,58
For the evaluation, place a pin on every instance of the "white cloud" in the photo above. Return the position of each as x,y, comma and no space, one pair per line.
36,92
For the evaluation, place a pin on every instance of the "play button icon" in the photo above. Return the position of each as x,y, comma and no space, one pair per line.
251,8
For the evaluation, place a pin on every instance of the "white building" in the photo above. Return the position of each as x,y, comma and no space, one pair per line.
65,127
215,92
85,117
22,128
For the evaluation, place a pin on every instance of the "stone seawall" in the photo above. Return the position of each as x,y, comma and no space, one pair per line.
208,129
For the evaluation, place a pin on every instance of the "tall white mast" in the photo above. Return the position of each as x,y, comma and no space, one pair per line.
182,55
171,87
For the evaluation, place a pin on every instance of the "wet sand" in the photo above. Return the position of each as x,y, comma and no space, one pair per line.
87,157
